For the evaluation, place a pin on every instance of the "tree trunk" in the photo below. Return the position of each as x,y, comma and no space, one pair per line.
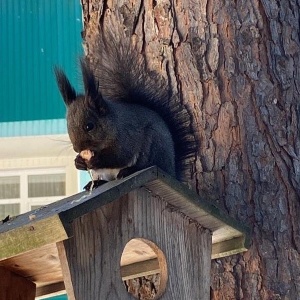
236,65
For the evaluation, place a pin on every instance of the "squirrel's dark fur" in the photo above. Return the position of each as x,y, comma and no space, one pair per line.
128,116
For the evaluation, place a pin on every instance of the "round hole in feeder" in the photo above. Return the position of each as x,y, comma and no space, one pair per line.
144,269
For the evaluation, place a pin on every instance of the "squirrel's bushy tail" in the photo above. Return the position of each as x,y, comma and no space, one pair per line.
123,76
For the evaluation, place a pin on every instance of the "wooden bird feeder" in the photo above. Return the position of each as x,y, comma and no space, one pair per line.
77,244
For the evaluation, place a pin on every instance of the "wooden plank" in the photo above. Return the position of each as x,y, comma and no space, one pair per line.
198,208
41,265
32,235
133,270
14,287
139,269
185,244
53,289
230,247
66,270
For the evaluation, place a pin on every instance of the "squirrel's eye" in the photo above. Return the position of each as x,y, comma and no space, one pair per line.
89,126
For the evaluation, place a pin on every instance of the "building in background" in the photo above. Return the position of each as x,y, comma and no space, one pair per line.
36,157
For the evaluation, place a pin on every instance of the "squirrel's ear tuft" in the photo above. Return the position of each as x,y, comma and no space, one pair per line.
89,80
91,88
67,91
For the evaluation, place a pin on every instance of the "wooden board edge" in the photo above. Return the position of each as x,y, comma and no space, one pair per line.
107,193
53,289
31,236
201,201
139,269
229,247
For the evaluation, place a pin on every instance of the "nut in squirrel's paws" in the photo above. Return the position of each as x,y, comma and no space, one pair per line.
86,154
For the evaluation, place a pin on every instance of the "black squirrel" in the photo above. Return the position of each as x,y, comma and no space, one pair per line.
127,119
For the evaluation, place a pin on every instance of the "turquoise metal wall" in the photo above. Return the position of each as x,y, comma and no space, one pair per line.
62,297
35,35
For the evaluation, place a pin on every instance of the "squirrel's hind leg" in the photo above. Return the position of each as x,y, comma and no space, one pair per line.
127,171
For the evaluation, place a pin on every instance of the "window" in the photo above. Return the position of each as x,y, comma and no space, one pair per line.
9,187
46,185
9,210
21,191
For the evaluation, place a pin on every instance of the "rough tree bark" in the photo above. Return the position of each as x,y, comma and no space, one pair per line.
236,64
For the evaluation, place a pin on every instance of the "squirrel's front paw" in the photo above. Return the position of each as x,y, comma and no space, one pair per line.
80,163
94,184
